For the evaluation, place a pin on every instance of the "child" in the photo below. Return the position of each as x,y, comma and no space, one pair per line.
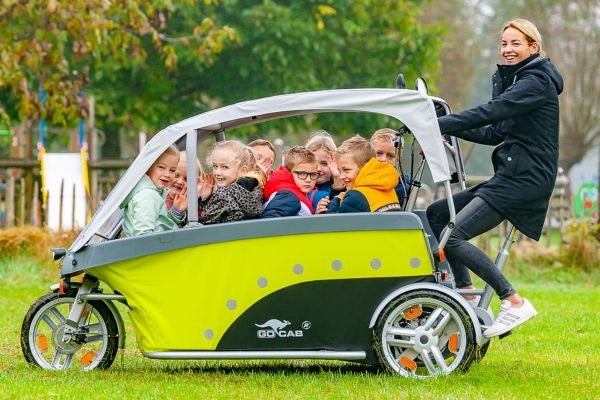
180,180
285,191
144,208
264,152
321,143
239,183
370,183
385,150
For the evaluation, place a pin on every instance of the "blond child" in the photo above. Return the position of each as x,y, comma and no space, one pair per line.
384,143
286,189
180,180
329,183
264,152
234,190
369,182
144,209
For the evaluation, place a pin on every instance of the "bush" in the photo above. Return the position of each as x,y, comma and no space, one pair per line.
580,248
32,241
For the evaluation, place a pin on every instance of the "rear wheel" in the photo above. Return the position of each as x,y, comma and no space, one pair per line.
482,350
94,345
424,333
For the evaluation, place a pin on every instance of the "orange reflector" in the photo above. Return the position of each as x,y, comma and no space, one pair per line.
442,255
42,343
453,341
84,313
87,358
413,312
61,287
408,363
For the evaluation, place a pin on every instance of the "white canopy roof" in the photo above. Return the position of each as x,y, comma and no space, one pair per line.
412,108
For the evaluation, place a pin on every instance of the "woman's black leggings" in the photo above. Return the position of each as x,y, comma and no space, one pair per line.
473,217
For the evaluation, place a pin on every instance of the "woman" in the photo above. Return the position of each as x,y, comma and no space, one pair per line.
522,119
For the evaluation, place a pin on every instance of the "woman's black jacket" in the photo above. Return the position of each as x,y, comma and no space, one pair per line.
522,118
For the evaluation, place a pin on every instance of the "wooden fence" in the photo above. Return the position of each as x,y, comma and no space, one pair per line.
21,196
16,209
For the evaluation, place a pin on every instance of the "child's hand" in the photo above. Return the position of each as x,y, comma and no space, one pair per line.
335,172
205,187
322,205
265,164
180,200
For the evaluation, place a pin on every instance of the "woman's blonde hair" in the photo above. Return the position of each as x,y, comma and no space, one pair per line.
528,29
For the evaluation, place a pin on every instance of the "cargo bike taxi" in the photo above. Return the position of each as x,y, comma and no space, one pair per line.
372,292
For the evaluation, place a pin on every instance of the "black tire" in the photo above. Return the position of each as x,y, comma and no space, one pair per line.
482,350
94,346
424,333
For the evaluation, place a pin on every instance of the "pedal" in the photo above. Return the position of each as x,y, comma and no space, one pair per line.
505,334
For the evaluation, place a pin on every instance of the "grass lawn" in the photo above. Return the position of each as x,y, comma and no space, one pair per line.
557,355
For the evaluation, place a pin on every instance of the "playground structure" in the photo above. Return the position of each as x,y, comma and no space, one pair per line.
48,188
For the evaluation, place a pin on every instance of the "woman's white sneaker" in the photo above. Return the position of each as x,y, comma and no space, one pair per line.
510,317
474,301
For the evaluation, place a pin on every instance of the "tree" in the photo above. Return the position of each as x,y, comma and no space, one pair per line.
290,46
53,48
571,37
148,63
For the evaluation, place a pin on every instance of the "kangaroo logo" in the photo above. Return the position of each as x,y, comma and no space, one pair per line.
274,324
275,328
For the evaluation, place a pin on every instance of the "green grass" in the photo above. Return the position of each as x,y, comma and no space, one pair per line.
557,355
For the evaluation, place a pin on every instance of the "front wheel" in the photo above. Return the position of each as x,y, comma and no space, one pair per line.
424,333
94,345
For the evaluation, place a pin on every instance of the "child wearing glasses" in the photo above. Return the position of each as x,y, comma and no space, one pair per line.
370,183
234,190
144,208
286,189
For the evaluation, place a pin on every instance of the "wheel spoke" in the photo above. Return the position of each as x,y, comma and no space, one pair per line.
49,321
61,318
428,363
66,362
439,358
442,324
399,342
397,331
94,338
410,354
94,327
432,318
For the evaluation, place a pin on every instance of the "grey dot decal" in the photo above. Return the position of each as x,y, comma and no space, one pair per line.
231,304
336,265
209,334
415,262
376,263
262,282
298,269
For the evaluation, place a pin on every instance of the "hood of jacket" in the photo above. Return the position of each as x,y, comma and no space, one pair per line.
535,64
378,175
282,179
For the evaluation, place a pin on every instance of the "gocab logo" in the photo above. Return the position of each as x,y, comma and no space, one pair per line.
277,328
